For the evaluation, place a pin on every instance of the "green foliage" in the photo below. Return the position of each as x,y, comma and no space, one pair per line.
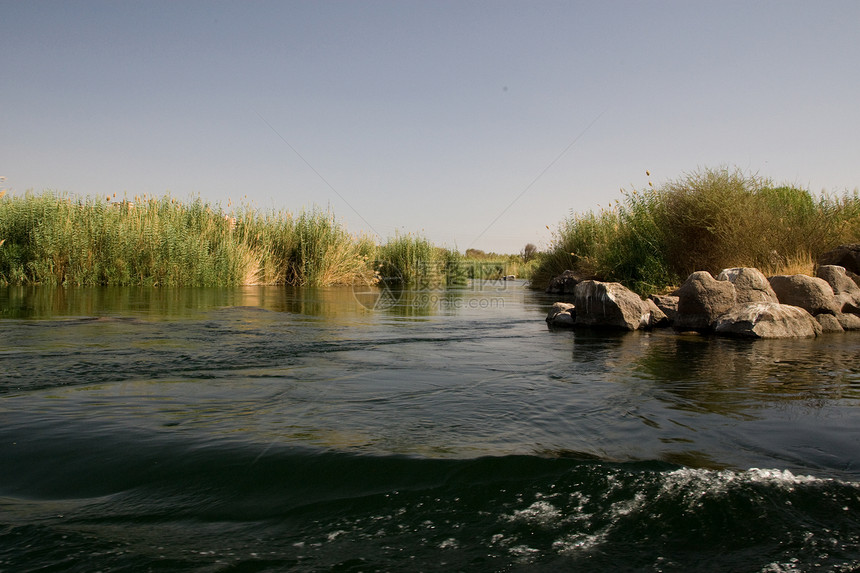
493,266
410,260
59,240
325,252
707,220
56,240
453,267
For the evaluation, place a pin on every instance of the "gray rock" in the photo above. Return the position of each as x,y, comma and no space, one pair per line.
566,282
701,300
610,305
837,278
658,317
668,304
829,323
750,285
846,256
561,314
768,320
809,293
846,290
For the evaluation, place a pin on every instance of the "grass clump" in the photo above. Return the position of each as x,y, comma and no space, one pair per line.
49,239
410,260
707,220
54,239
58,240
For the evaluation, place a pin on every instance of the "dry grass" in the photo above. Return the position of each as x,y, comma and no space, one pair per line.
801,264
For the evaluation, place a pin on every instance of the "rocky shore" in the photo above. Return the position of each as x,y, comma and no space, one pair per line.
739,302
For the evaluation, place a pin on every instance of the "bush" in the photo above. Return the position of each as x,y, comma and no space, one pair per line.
707,220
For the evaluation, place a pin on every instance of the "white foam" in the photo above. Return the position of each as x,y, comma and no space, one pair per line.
540,512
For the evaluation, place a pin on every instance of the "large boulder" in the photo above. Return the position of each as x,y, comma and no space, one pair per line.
838,322
768,320
566,282
750,285
610,305
701,300
848,321
561,314
846,290
846,256
809,293
659,319
667,304
829,323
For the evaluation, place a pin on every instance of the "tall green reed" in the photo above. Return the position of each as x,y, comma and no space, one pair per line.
409,260
56,239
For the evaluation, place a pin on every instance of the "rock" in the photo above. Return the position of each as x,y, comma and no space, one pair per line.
659,319
561,314
848,321
610,305
846,290
846,256
829,323
701,300
809,293
837,278
668,304
768,320
750,285
566,282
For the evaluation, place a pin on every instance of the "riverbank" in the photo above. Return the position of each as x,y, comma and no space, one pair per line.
740,302
651,239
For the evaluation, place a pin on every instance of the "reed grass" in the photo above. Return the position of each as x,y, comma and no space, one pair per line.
55,239
706,220
410,260
59,240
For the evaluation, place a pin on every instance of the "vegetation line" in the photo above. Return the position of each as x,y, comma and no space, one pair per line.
709,220
648,240
53,239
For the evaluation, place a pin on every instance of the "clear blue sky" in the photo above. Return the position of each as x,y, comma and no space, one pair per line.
476,124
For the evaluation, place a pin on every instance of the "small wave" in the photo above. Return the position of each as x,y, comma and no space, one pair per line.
316,509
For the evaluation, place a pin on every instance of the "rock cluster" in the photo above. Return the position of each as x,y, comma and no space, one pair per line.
566,282
739,302
845,256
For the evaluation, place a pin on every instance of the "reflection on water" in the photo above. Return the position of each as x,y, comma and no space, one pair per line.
728,375
18,302
169,303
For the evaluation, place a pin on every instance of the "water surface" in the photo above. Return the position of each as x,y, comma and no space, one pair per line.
271,429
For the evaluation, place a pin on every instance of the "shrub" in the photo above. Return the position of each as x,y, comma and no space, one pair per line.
707,220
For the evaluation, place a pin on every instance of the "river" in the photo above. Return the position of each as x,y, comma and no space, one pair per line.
282,429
